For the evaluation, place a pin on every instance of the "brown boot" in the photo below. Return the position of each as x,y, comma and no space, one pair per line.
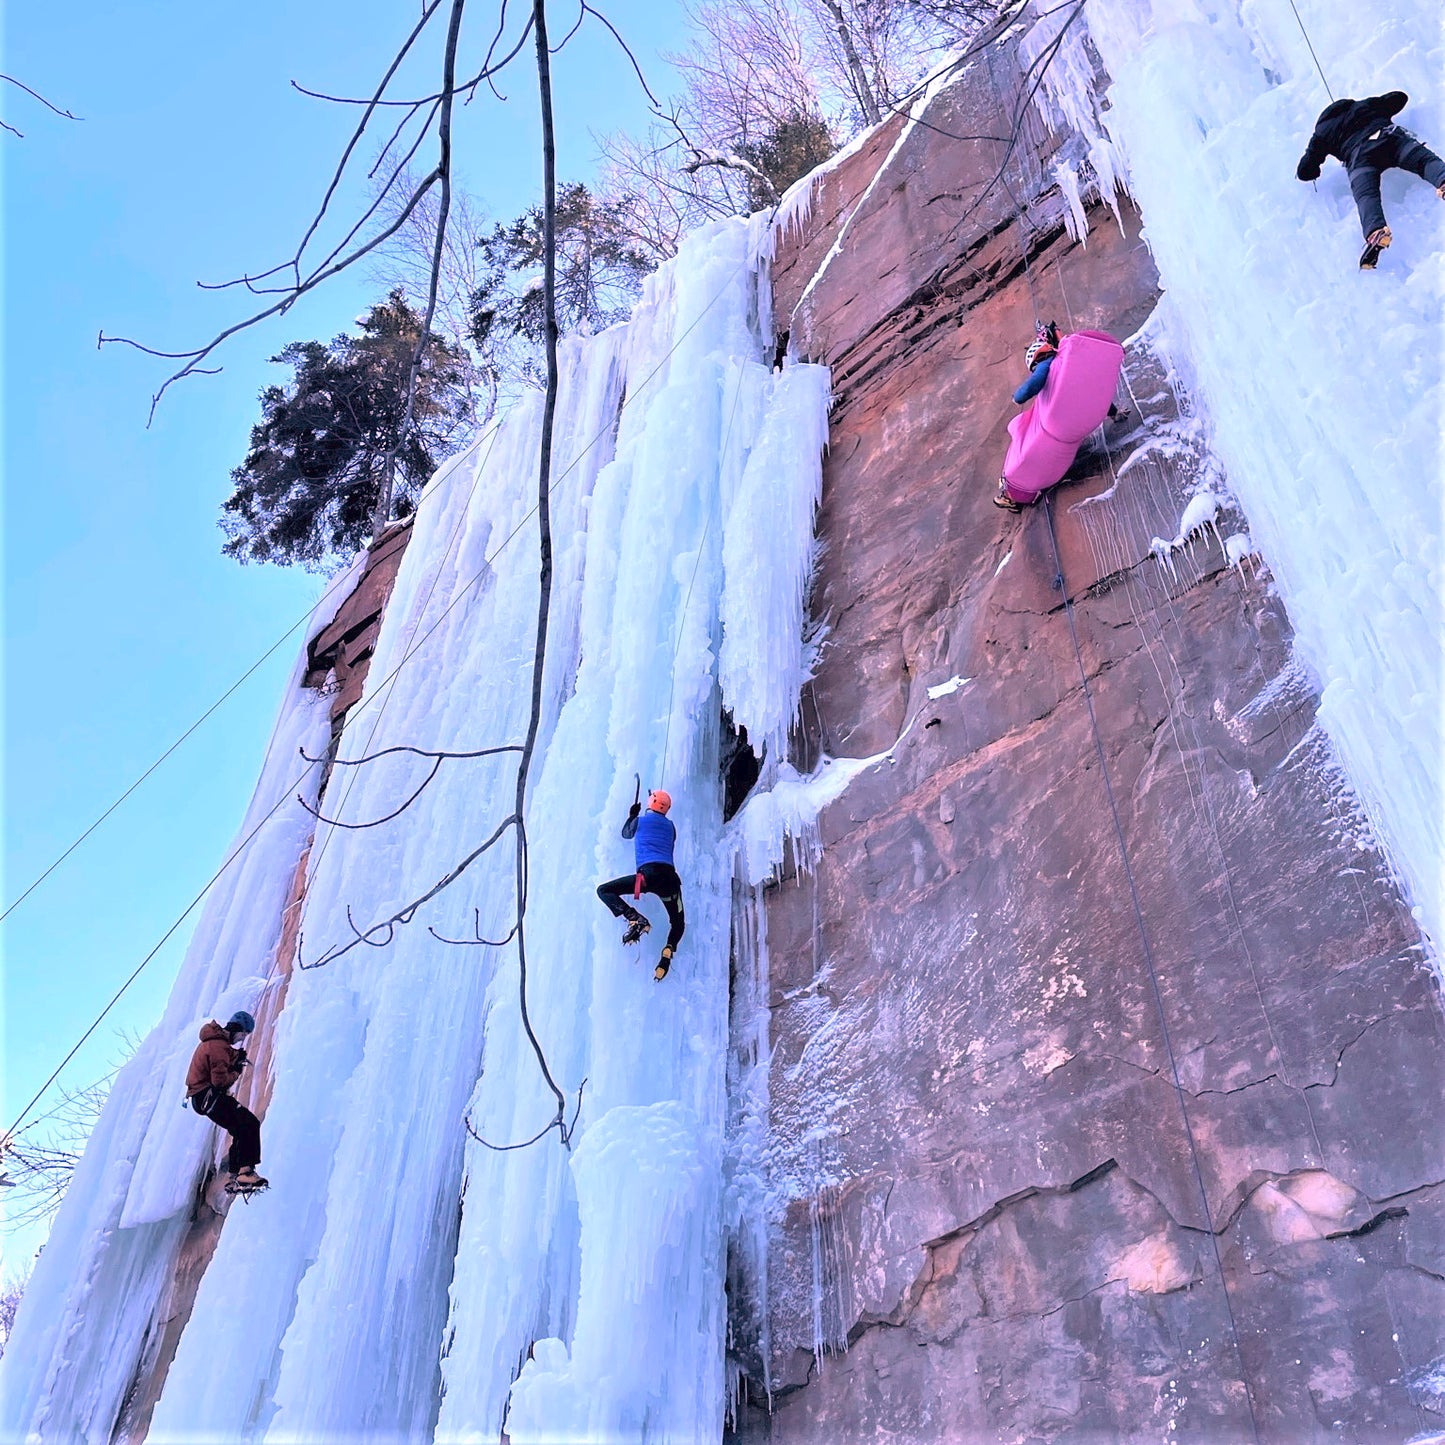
1375,242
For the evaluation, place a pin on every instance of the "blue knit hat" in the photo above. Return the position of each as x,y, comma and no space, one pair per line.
241,1020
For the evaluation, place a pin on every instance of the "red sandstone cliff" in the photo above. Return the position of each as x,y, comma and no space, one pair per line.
999,1223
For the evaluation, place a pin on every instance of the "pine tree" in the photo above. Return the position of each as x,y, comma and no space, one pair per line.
600,270
319,456
787,150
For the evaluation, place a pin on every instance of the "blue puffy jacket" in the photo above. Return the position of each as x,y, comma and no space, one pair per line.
655,837
1035,384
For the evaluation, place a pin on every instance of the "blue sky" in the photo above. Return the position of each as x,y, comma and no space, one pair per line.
122,621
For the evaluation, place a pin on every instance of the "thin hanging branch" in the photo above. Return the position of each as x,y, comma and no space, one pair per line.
336,262
544,524
479,941
375,822
388,926
438,757
382,512
35,94
536,1138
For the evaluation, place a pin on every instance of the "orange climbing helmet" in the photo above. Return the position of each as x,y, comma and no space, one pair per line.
659,801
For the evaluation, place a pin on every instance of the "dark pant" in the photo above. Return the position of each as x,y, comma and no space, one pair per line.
238,1121
658,878
1395,150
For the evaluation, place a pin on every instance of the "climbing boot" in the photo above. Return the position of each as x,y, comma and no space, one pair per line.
1375,242
246,1181
1002,499
635,930
663,964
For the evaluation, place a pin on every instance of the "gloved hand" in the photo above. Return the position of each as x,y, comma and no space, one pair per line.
635,811
240,1061
1305,172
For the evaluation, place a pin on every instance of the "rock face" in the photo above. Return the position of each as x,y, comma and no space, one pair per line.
1104,1056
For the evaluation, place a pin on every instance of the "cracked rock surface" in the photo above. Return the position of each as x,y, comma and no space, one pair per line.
1002,1218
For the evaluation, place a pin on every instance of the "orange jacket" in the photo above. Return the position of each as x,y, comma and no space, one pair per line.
213,1065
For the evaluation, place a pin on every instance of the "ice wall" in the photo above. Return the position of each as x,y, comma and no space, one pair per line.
1321,384
398,1275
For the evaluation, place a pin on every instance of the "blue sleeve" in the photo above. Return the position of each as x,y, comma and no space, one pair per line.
1035,384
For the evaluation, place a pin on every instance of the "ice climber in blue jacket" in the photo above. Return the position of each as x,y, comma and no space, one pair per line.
654,838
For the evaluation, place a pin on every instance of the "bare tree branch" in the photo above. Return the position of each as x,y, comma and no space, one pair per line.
428,10
382,515
332,266
438,759
405,915
627,51
479,940
191,368
49,105
726,161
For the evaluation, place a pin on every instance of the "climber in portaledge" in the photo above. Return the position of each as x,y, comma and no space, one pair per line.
1363,136
1073,379
216,1065
654,838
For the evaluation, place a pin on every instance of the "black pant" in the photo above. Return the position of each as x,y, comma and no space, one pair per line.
658,878
237,1120
1396,149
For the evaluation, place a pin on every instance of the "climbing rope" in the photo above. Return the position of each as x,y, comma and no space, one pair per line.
1310,44
1060,585
1148,953
1008,186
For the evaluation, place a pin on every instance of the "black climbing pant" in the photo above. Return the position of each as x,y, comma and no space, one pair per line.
658,878
237,1120
1395,149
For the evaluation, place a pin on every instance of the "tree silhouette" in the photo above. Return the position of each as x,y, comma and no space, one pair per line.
331,443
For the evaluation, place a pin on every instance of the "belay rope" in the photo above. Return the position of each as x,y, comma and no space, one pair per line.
1061,587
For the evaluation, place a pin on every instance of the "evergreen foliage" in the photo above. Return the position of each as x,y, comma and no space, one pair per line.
600,269
787,151
320,455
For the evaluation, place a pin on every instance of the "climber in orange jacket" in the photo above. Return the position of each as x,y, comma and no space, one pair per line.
216,1065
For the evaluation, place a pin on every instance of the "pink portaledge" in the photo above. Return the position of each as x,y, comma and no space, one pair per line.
1075,400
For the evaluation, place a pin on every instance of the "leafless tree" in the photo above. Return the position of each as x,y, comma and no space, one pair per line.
406,261
748,70
647,175
38,1162
10,1293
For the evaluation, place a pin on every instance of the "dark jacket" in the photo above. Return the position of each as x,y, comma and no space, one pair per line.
1345,128
213,1065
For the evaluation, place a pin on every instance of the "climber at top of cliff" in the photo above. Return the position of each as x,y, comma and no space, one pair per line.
1363,137
216,1066
1073,379
654,837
